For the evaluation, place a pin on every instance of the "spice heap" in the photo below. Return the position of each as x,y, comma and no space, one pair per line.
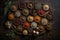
30,18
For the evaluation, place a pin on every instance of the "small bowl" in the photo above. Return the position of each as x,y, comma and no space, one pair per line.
37,18
22,18
25,12
30,5
22,5
16,21
33,25
30,18
11,16
46,7
41,28
26,25
38,6
17,13
41,12
13,8
25,32
44,21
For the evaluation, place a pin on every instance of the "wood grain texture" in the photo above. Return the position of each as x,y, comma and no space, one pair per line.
53,35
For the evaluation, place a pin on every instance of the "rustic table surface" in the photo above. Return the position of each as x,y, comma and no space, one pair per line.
53,35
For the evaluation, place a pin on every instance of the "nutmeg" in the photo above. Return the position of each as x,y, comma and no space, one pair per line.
37,32
34,31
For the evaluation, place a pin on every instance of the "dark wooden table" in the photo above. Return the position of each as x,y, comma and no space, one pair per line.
53,35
